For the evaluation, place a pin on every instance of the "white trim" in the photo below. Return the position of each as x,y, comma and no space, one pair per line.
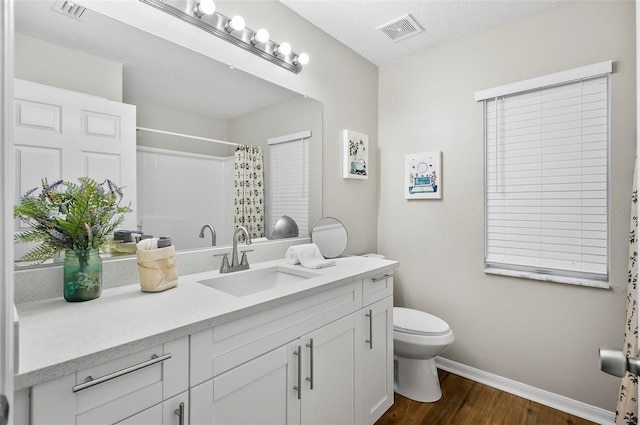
588,71
8,362
289,137
555,401
186,136
548,277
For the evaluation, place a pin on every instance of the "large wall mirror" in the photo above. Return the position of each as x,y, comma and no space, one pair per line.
184,180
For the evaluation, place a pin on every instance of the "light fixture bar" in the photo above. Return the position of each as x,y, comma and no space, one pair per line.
215,24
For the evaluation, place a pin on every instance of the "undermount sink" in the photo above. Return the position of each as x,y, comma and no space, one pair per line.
248,282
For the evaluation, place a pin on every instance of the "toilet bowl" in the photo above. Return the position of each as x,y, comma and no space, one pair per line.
418,337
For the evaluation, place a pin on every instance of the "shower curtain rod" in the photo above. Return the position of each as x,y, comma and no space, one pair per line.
187,136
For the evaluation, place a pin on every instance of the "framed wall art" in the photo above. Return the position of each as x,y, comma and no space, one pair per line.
423,175
356,155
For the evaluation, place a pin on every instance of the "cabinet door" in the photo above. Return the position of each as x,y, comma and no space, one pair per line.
329,367
377,360
252,393
175,411
152,415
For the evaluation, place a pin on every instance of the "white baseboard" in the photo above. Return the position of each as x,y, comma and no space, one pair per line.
573,407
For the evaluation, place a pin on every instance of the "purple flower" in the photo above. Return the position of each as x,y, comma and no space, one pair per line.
52,186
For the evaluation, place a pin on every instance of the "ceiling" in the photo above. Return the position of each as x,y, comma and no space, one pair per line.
355,22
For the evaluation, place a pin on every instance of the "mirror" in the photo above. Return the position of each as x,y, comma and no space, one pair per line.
331,237
178,91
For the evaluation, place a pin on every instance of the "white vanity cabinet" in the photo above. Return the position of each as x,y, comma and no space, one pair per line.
141,388
260,368
319,356
309,380
377,356
326,358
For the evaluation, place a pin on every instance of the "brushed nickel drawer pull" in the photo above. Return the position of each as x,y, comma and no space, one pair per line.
310,377
180,413
90,382
298,387
370,340
378,279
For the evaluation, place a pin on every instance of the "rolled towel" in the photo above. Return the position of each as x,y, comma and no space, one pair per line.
145,244
308,255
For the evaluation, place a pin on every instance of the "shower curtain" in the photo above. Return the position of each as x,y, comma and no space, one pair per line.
627,409
249,190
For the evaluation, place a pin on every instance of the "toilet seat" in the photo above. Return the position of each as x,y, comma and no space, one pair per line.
409,321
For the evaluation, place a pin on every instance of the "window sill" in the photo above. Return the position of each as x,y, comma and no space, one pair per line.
549,278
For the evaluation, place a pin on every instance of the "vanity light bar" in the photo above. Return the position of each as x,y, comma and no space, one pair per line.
217,24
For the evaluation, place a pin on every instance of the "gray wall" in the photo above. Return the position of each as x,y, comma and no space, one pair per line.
56,66
299,114
542,334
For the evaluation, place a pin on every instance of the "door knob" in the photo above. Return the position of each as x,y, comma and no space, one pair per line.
616,363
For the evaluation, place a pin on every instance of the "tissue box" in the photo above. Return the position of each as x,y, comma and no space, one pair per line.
157,269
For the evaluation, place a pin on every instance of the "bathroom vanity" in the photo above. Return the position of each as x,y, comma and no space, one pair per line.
274,344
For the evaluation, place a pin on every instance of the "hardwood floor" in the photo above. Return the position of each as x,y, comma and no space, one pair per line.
465,402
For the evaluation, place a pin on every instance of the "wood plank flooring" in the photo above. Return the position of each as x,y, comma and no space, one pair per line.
465,402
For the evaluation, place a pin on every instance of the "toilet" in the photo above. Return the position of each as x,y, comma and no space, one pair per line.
418,337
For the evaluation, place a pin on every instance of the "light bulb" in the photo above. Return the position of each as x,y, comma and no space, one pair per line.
283,49
261,36
204,7
235,24
301,59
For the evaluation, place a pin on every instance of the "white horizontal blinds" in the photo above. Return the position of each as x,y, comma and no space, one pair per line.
546,180
290,182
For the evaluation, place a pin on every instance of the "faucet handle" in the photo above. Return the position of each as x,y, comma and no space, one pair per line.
243,260
224,267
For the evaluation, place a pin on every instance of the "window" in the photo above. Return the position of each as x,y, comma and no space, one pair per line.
546,177
290,179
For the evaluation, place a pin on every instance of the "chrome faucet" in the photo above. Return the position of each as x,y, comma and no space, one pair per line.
236,265
213,233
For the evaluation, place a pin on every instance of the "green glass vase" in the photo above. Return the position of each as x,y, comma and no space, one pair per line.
82,275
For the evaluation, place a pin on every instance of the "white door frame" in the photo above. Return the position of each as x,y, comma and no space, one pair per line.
6,206
638,116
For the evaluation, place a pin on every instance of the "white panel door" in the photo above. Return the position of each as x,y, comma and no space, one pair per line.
61,134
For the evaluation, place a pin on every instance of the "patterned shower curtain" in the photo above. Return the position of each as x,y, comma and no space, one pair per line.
627,409
249,190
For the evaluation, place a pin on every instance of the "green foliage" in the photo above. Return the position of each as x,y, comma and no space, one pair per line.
71,216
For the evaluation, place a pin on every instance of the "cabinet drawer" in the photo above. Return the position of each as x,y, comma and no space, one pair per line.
112,391
377,287
241,340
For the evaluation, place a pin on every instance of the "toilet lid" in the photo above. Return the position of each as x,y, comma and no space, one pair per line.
417,322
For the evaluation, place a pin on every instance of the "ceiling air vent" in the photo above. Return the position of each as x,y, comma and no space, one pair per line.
401,28
69,8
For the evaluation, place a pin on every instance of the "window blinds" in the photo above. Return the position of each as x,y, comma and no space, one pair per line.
290,182
546,180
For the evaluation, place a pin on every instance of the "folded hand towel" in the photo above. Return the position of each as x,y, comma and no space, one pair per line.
308,255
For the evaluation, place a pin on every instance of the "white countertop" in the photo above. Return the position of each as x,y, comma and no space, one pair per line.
57,337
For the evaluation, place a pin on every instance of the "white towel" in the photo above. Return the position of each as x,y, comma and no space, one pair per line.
308,255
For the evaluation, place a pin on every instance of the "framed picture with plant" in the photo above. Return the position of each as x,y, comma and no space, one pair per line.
356,155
